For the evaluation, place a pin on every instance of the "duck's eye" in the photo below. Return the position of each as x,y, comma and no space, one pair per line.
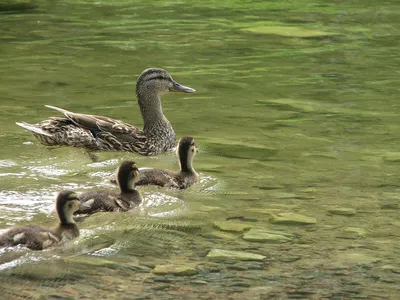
70,205
159,78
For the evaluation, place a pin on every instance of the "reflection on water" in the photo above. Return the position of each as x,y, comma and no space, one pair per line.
296,119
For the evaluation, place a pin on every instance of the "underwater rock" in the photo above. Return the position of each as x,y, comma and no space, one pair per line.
199,282
283,195
180,270
207,208
240,283
343,211
258,235
292,219
392,157
389,205
219,254
220,235
350,258
395,223
265,211
93,261
392,268
231,226
354,232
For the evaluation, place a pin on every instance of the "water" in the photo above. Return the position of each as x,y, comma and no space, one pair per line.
295,112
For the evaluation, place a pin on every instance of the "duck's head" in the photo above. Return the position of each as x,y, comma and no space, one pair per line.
127,175
186,151
67,203
159,81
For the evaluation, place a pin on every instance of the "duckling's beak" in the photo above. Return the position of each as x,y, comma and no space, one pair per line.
177,87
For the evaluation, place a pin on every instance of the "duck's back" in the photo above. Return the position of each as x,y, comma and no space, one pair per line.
108,201
149,176
166,178
34,237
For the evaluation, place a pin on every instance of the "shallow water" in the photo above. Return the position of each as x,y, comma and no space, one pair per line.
295,112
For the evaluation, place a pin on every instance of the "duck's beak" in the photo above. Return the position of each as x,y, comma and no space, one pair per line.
84,205
177,87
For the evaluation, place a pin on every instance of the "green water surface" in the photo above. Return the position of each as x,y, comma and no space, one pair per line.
296,111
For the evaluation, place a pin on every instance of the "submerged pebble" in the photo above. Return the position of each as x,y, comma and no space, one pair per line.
240,283
344,211
259,235
200,282
219,254
180,270
292,219
354,232
231,226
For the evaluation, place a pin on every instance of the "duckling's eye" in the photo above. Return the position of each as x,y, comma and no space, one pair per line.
69,205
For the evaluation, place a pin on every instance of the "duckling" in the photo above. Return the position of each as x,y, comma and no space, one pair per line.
102,133
37,238
183,179
105,200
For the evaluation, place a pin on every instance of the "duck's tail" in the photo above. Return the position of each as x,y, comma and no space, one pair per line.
63,111
33,128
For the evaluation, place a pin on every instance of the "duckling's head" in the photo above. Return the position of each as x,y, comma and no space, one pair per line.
186,151
127,175
158,81
67,203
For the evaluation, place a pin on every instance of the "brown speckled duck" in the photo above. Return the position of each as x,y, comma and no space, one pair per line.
126,199
102,133
182,179
37,238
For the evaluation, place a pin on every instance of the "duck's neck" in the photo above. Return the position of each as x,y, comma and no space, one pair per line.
65,218
151,109
126,186
186,164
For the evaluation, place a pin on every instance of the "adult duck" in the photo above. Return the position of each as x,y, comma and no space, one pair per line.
94,132
35,237
107,200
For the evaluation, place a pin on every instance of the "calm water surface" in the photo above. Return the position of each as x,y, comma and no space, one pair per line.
296,111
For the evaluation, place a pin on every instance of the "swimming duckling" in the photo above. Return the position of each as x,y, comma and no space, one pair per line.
105,200
183,179
102,133
37,238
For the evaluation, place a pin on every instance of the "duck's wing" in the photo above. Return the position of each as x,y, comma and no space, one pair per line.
164,178
97,124
101,201
34,237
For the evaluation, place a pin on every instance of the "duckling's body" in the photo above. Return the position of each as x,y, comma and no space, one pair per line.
105,200
37,238
166,178
183,179
94,132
